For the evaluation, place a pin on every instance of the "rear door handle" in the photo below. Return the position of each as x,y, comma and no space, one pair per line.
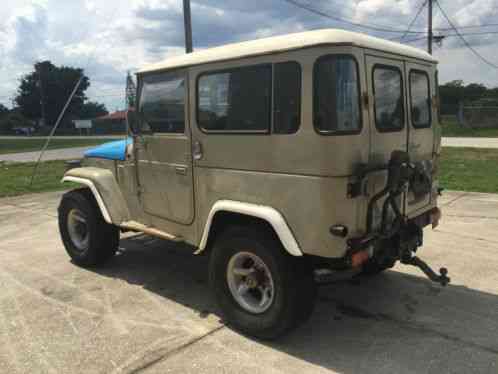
181,170
197,151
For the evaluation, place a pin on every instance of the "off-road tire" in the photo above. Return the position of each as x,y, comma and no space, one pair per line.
103,238
294,286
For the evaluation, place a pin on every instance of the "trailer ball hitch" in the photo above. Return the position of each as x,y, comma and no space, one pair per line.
442,278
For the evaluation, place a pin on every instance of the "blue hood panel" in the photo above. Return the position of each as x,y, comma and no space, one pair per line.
110,151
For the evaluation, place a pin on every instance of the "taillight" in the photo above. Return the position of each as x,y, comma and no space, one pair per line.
359,258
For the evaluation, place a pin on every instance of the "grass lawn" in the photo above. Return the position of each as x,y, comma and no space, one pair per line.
30,145
15,178
469,169
462,169
451,128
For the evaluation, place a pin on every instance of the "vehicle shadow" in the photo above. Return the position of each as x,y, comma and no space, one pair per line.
394,322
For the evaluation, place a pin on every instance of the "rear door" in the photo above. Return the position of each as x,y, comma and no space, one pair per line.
386,88
388,119
420,90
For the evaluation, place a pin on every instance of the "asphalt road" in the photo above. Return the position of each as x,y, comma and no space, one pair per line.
64,137
149,309
53,154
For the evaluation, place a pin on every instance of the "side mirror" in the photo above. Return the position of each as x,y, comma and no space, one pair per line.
132,122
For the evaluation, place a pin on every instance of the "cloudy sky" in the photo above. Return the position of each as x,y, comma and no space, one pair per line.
109,37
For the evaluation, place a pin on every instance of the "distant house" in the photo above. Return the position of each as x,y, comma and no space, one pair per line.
84,126
113,123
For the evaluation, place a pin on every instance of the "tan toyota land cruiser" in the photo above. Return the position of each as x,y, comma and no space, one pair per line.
291,161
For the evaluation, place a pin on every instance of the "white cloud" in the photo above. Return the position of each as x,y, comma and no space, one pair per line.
107,38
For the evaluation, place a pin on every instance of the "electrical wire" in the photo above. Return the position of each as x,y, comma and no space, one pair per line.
415,40
462,38
463,34
473,33
344,20
467,27
378,27
414,19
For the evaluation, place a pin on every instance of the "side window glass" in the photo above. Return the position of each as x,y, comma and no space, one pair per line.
388,96
287,102
336,103
162,104
235,100
420,98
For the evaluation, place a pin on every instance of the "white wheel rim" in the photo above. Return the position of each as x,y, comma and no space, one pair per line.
77,227
250,282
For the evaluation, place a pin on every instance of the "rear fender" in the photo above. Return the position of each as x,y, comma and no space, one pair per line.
105,189
265,213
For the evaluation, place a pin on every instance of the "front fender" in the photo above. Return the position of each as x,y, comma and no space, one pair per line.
105,189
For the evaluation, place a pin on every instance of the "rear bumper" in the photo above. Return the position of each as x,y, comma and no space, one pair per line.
407,237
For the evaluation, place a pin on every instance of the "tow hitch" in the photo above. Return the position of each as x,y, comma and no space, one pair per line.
401,238
442,278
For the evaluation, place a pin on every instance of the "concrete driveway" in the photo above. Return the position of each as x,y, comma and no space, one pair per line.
150,311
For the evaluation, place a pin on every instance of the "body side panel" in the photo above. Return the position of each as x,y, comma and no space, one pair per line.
303,176
309,205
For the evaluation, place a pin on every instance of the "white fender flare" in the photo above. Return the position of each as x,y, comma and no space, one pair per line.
269,214
95,191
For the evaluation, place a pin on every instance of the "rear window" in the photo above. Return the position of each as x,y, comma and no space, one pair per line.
336,104
162,103
420,99
236,100
388,96
287,101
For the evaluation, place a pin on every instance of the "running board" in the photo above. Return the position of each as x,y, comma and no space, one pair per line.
135,226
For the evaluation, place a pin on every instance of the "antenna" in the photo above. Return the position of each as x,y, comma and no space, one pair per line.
52,132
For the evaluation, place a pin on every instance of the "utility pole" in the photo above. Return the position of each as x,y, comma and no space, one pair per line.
187,19
429,34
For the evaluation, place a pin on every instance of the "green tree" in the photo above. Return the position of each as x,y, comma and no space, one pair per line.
44,92
3,110
474,91
12,120
91,110
131,91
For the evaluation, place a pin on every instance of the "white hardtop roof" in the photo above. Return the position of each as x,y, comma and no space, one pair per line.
286,43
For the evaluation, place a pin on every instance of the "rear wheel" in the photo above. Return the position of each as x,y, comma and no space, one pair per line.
88,239
261,290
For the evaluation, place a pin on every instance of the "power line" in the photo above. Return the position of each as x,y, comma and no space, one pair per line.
467,27
340,19
378,27
414,19
414,40
462,33
463,39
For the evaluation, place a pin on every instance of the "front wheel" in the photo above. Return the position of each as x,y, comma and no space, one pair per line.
88,239
261,290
